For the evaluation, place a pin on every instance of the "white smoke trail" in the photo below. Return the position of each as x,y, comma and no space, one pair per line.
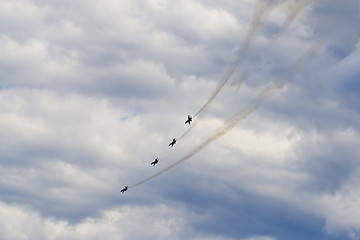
261,13
292,9
194,123
220,131
244,113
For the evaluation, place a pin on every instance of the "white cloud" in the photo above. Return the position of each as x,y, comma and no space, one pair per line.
126,222
64,146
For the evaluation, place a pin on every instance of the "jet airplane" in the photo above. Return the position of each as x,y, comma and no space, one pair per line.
172,143
124,189
155,162
188,120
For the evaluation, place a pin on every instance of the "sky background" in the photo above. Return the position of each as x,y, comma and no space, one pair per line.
92,91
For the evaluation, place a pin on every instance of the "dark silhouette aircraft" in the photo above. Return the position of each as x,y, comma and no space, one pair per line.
124,189
172,143
155,161
188,120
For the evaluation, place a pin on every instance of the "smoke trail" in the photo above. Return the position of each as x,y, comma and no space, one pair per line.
304,59
261,13
189,129
223,129
292,9
244,113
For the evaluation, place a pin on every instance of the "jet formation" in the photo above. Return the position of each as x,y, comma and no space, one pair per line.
261,14
156,160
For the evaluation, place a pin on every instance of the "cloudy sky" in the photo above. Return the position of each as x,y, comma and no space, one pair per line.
92,91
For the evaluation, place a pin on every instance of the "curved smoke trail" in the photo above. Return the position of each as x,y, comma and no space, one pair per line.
244,113
261,13
189,129
223,129
293,9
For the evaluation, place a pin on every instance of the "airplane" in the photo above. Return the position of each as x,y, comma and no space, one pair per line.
155,161
172,143
188,120
124,189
